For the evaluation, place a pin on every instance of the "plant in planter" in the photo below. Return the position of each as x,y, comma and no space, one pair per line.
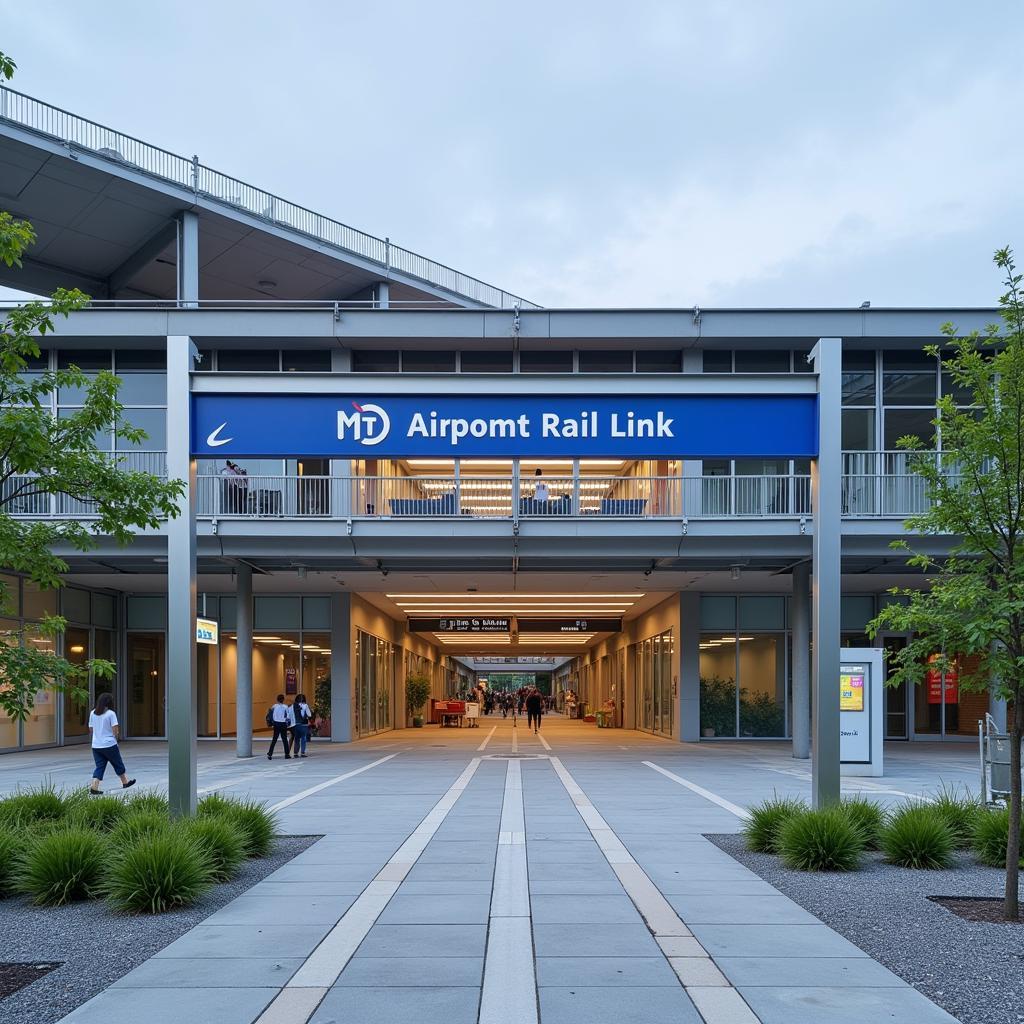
322,707
417,692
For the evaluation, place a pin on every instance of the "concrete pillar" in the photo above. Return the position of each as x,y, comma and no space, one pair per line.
188,257
181,588
383,294
688,700
800,620
243,671
826,501
341,668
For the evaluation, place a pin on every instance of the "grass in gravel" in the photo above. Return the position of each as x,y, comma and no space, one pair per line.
761,830
960,811
821,840
66,865
137,824
160,872
257,824
991,832
917,836
866,817
223,844
26,807
11,845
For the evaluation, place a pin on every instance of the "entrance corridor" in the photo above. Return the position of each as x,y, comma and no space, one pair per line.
491,876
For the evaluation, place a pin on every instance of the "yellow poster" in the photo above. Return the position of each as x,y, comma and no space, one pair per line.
851,691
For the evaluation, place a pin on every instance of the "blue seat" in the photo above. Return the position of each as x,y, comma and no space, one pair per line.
551,507
623,506
442,506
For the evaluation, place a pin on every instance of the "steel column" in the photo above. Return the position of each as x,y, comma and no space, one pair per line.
800,621
826,502
243,660
188,257
181,587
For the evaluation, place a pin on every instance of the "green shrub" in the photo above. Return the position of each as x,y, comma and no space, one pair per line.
821,840
11,845
159,872
149,800
960,813
991,831
101,813
766,819
865,816
257,825
222,841
43,803
63,866
136,825
916,836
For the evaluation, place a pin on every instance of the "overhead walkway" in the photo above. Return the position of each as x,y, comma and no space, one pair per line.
490,876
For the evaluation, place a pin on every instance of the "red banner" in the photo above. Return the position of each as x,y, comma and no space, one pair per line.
937,694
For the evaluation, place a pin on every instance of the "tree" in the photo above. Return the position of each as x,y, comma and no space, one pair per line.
971,616
40,457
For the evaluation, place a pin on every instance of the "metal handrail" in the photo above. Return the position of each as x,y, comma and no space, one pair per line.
73,130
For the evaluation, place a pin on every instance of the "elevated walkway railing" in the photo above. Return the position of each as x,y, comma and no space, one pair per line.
73,131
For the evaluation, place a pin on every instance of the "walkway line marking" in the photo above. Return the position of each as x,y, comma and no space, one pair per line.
515,738
509,993
302,794
740,812
677,943
487,738
543,742
324,965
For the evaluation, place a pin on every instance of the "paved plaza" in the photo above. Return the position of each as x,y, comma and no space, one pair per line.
488,875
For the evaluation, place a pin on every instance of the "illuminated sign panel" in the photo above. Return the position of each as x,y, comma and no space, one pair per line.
207,631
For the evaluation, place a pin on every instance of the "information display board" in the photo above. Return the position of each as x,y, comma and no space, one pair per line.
861,700
460,624
570,625
207,631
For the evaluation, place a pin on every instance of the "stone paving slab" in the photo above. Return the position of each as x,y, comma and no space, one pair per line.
153,1006
626,1005
799,972
211,972
414,972
392,1005
857,1006
596,971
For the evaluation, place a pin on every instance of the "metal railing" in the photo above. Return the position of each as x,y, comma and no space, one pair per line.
74,131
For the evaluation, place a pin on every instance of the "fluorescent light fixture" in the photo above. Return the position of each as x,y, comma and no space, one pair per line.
429,595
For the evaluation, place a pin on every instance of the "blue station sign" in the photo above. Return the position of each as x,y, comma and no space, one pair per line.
505,426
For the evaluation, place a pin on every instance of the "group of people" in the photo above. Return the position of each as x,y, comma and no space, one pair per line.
297,718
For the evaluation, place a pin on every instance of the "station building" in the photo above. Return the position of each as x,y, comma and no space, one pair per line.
378,491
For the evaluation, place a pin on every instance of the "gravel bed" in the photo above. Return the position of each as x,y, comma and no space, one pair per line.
98,946
973,970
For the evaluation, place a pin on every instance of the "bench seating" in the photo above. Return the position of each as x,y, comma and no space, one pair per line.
442,506
623,506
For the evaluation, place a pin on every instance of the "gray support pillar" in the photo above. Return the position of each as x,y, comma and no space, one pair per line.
243,670
800,619
688,701
826,501
341,668
188,257
383,294
181,587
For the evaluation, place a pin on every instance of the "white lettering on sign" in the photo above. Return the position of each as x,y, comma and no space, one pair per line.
454,429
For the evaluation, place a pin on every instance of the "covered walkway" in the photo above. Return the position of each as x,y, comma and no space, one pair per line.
489,875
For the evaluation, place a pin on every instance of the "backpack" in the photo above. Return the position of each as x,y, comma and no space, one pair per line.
301,717
270,717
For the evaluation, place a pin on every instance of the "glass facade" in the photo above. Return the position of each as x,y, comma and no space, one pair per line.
655,697
375,681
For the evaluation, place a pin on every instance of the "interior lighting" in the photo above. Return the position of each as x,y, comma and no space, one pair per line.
522,596
77,649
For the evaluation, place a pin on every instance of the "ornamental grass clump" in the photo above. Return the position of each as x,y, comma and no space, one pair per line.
991,831
257,824
101,813
66,865
866,817
159,872
223,843
916,836
136,825
149,800
761,830
11,845
960,812
821,840
30,806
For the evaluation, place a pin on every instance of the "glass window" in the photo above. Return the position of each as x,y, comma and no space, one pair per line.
104,610
486,362
756,361
961,395
717,361
140,359
39,602
316,360
10,599
76,712
102,439
551,361
856,611
802,361
9,635
762,682
276,612
859,387
143,389
233,360
153,422
146,612
75,604
656,361
900,422
315,678
600,361
316,613
717,684
908,378
103,647
414,361
762,613
147,683
84,359
207,659
205,360
73,394
858,430
717,612
41,725
374,361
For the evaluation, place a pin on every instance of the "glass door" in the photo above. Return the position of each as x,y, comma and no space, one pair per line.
895,696
147,684
76,712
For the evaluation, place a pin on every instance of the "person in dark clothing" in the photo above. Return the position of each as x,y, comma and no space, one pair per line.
282,718
534,709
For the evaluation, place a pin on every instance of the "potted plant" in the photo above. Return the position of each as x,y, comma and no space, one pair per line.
417,690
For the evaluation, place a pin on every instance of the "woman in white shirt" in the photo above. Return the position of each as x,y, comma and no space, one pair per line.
105,730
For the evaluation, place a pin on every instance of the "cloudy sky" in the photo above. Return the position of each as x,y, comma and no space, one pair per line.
720,152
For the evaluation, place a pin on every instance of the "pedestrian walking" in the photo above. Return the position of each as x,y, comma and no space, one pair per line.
280,719
302,713
105,732
534,709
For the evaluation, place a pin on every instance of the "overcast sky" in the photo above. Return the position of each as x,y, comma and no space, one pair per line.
720,152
